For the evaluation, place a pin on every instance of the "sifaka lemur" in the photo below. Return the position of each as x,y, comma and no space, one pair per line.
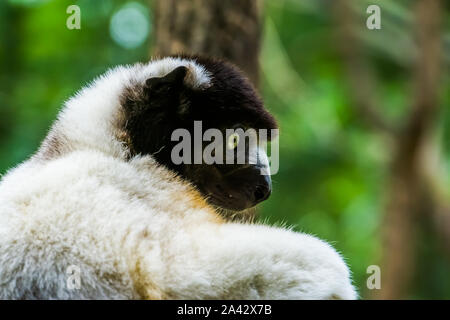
102,197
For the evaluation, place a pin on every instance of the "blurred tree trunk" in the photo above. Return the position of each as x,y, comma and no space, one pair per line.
409,189
410,195
229,29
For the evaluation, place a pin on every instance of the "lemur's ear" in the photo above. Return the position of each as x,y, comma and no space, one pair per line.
168,90
173,79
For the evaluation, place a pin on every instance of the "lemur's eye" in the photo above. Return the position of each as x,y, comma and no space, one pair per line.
233,141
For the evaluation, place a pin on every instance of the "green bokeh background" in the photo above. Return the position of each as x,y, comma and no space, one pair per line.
333,169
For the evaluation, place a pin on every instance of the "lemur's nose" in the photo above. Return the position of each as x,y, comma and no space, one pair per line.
262,188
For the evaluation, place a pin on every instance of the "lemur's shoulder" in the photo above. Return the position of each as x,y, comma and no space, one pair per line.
94,118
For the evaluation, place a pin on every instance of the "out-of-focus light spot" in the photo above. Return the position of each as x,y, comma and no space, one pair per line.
130,25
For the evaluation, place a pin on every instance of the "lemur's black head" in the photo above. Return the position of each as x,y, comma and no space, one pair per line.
227,100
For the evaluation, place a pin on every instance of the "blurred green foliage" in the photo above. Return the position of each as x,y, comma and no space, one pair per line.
332,173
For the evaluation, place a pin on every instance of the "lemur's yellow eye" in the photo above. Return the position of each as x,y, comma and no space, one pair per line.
233,141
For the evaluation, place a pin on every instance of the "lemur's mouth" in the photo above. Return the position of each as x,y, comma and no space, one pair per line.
243,189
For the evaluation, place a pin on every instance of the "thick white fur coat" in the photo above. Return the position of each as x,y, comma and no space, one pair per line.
133,228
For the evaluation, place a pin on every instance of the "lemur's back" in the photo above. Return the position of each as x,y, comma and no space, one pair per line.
81,204
78,216
53,233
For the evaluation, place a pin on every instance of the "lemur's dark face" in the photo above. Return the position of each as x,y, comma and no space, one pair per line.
155,110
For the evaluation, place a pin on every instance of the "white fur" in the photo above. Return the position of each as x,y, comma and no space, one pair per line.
133,228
